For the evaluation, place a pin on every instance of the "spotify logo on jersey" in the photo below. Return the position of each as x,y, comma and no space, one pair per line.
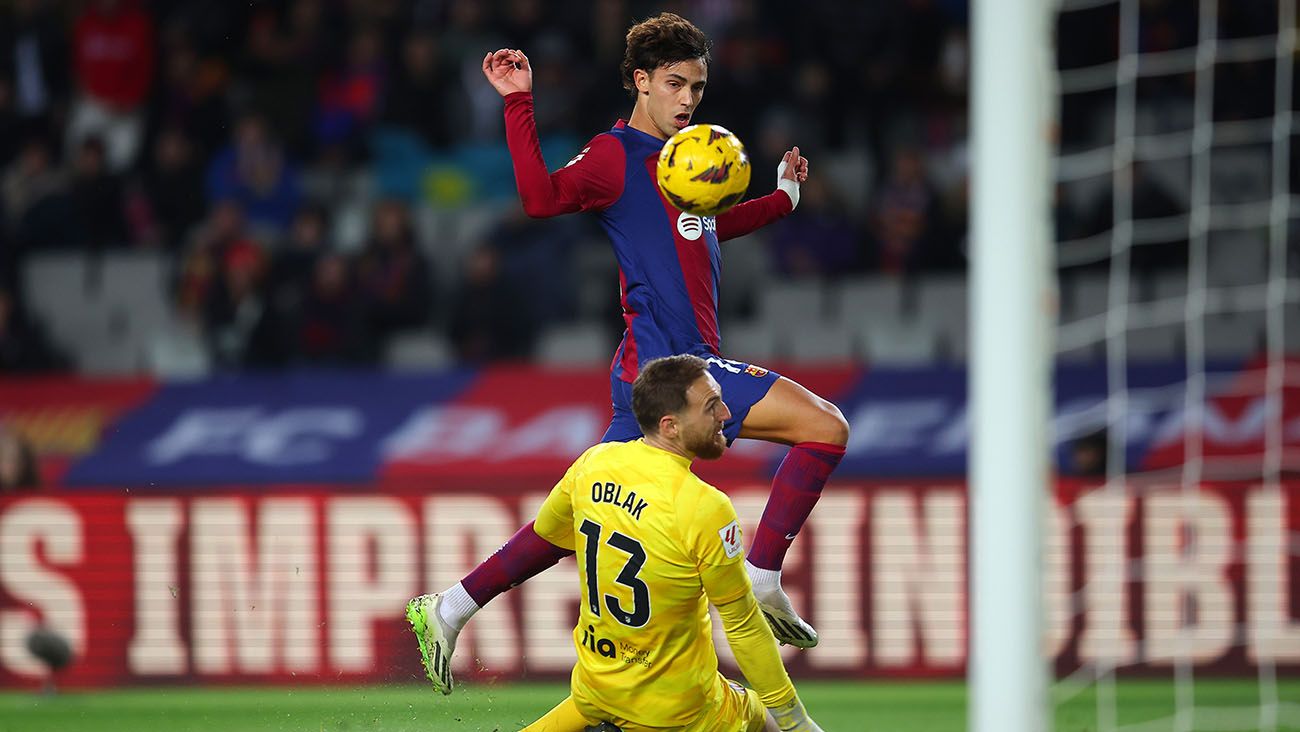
692,227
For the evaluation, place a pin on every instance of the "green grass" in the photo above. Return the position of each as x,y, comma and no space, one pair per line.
838,706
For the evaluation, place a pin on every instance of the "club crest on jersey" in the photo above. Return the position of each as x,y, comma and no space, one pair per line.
692,227
730,539
758,371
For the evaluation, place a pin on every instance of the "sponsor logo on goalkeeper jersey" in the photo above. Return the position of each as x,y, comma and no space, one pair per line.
593,643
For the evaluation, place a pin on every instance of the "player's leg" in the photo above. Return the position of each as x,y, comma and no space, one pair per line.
564,717
438,619
817,432
524,556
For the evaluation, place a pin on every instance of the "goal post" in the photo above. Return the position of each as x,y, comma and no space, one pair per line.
1011,311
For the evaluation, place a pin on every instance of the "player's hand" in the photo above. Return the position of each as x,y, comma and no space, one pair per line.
793,166
793,718
792,171
508,71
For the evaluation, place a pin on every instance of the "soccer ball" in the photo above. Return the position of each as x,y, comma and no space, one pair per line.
703,170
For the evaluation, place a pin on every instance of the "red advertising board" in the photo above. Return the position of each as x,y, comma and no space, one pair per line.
308,585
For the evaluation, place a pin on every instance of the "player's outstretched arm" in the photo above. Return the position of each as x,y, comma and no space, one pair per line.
759,212
508,71
756,653
592,180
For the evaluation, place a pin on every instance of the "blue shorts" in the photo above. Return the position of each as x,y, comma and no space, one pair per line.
743,386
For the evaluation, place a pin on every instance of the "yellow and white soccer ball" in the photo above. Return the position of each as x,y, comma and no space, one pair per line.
703,170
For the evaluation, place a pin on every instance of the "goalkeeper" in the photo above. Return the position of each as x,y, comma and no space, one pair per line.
655,546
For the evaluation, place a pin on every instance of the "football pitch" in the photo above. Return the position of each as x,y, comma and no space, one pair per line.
921,706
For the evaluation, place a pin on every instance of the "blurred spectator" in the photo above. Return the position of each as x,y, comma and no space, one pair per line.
293,263
96,197
18,467
740,88
253,170
173,184
202,267
29,178
393,275
234,304
905,221
11,126
332,328
23,345
558,83
113,57
491,320
348,99
818,239
282,57
466,37
33,68
191,100
425,95
35,198
289,284
537,257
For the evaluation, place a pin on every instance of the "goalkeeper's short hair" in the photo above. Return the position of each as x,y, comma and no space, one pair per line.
661,388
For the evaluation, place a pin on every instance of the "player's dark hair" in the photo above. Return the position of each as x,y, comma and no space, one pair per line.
663,40
661,387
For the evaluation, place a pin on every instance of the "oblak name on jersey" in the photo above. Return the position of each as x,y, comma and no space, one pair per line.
612,493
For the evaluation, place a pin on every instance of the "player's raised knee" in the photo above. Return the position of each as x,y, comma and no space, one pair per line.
831,427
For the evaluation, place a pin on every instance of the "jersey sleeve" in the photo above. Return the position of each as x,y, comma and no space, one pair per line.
715,541
555,518
718,549
592,180
754,646
753,214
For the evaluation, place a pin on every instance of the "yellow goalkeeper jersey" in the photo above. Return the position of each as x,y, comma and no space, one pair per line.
655,544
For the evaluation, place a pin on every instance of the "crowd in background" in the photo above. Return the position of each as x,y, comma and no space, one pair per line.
221,133
227,134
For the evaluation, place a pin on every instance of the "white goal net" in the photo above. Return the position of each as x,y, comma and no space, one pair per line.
1178,255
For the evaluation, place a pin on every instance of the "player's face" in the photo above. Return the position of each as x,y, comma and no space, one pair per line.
701,423
671,94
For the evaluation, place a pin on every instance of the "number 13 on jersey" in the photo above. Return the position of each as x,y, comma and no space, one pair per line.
639,613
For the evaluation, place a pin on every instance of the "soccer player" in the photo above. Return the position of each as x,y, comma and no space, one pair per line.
655,546
669,268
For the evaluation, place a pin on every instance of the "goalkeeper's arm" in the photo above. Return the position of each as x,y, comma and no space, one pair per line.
755,649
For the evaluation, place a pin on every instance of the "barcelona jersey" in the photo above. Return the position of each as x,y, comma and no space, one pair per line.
669,261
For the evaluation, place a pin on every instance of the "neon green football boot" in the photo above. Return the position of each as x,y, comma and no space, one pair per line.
437,640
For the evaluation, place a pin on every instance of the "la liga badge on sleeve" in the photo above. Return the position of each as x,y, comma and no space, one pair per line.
730,539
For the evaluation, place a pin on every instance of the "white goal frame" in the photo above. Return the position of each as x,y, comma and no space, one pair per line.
1011,312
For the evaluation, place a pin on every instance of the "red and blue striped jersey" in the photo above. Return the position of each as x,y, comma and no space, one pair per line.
669,261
